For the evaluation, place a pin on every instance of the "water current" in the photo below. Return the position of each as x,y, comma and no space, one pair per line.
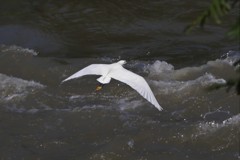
43,42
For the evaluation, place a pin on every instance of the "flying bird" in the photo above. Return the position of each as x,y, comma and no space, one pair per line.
117,72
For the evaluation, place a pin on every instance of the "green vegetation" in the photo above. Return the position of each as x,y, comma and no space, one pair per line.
217,11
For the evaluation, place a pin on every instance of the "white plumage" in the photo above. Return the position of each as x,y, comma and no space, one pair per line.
117,72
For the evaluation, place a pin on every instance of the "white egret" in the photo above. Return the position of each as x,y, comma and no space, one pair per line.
117,72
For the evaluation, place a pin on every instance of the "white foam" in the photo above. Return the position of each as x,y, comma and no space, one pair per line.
231,57
88,108
211,127
235,120
127,103
105,102
169,87
17,49
158,67
164,71
208,80
16,89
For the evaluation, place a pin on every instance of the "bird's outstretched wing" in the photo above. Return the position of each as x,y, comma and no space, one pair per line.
136,82
93,69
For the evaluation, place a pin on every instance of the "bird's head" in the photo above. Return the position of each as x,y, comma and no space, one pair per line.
122,62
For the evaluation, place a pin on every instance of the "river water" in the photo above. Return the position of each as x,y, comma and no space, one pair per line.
43,42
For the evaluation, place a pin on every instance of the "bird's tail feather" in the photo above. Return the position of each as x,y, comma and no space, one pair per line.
104,79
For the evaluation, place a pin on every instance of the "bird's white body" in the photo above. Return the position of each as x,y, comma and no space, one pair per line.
116,71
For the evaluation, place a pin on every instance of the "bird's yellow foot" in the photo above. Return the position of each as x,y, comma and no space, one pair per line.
98,88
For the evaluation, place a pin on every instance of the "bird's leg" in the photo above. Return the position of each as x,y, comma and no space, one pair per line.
99,86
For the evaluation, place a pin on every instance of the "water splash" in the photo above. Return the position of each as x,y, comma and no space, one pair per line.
232,57
17,49
15,89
